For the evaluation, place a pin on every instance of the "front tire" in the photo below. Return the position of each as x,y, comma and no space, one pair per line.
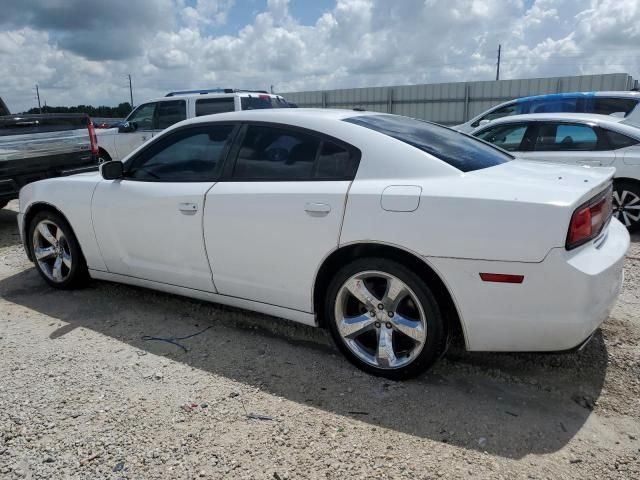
626,204
56,252
384,318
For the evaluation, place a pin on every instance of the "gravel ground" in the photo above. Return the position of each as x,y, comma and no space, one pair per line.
83,395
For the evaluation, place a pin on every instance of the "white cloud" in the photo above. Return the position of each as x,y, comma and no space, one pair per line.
355,43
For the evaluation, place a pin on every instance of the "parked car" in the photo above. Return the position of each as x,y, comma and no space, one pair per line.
389,231
578,139
621,104
150,118
33,147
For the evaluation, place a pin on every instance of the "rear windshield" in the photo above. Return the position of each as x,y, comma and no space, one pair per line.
457,149
262,101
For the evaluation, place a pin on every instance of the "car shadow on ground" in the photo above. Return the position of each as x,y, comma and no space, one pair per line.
510,405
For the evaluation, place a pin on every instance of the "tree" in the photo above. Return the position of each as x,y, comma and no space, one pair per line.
121,111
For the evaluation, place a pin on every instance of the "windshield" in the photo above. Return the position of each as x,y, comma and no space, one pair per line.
461,151
262,101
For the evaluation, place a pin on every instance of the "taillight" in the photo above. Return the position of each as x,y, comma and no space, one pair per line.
93,138
589,219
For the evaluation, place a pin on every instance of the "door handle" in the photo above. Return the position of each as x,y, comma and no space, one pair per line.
317,209
590,163
188,208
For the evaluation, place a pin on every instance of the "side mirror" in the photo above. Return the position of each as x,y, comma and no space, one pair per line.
112,170
127,127
484,122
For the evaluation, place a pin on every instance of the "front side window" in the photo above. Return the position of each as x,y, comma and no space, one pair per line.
461,151
171,112
509,137
270,153
210,106
142,117
506,111
565,137
192,155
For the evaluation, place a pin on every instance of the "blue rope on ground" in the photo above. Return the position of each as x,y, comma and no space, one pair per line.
175,340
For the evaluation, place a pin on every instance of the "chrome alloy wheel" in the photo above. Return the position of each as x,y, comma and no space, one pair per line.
51,251
380,319
626,207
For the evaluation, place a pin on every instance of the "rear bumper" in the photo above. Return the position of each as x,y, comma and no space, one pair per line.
560,303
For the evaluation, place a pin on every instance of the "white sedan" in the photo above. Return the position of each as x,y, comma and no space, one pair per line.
578,139
393,233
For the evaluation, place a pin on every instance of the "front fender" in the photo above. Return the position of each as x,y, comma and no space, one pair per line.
70,197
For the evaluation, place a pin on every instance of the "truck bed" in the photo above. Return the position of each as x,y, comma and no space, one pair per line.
34,147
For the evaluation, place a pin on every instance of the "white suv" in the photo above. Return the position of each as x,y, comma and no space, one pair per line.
150,118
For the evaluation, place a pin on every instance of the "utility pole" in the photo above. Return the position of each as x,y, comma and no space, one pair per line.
38,95
130,92
271,88
498,64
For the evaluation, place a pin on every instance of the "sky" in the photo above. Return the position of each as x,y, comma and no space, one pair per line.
81,51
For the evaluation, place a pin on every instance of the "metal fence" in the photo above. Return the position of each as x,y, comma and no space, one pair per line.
454,103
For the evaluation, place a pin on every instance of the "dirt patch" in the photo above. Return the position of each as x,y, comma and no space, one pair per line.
84,395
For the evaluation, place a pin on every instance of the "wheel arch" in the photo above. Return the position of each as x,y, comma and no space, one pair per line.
339,257
634,181
31,211
103,153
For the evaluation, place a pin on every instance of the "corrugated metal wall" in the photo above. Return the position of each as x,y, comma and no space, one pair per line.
453,103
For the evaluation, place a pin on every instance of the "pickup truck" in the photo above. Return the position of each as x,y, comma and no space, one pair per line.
153,116
34,147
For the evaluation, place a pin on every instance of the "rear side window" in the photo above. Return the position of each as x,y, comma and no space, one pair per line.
551,105
565,137
282,154
607,106
461,151
336,162
262,101
618,140
209,106
171,112
508,137
269,153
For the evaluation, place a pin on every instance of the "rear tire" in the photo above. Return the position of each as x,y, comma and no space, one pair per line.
626,204
56,252
384,318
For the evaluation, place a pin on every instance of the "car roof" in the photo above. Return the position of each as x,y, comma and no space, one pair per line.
609,121
558,116
280,115
560,96
181,96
